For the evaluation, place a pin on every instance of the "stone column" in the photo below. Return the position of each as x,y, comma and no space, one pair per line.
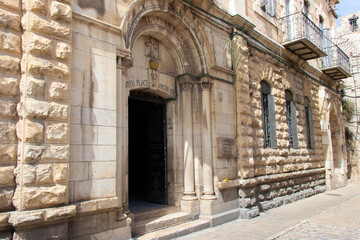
186,86
205,88
123,63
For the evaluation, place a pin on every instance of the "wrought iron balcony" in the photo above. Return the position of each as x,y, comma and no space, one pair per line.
300,35
337,63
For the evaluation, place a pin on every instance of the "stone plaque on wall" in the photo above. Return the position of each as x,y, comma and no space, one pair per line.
227,147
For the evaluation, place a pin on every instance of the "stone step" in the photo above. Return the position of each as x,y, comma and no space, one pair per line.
156,223
176,231
155,213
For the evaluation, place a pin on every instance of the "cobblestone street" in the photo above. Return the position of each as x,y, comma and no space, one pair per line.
330,215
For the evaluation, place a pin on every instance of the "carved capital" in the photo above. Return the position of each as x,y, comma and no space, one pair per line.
186,86
123,59
205,84
186,82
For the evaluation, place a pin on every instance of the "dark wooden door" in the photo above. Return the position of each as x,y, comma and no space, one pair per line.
156,154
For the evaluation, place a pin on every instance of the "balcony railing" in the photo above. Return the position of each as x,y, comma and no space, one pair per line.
300,35
337,63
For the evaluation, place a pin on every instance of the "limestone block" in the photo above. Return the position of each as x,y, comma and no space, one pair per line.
98,188
10,42
100,170
58,132
8,153
32,87
40,197
5,199
83,134
7,176
12,4
49,27
17,219
107,135
33,109
38,6
38,44
60,172
59,111
9,86
32,153
99,153
56,153
7,132
94,116
58,231
79,171
9,20
107,203
44,174
59,91
60,213
4,217
49,68
28,174
86,206
7,109
29,131
60,11
9,64
63,51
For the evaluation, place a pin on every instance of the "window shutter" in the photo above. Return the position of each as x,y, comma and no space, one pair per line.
271,7
272,120
294,125
311,126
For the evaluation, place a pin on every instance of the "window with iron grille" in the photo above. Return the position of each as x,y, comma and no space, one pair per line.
268,113
291,120
353,23
268,6
309,124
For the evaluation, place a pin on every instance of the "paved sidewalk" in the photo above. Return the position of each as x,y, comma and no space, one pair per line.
330,215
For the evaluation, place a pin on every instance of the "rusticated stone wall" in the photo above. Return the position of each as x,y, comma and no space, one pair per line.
43,130
10,56
284,173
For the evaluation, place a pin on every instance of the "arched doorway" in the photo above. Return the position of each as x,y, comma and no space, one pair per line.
336,166
166,60
147,150
337,175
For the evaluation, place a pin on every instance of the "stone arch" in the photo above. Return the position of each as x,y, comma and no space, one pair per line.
336,165
176,25
186,47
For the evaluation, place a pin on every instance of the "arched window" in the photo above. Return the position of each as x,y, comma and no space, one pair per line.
268,112
291,120
321,22
309,124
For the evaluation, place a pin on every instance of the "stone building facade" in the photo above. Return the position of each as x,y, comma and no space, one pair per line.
348,36
119,118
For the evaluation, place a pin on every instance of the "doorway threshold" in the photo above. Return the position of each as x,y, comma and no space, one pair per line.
141,205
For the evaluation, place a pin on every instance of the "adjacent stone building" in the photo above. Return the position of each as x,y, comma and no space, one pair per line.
348,38
119,118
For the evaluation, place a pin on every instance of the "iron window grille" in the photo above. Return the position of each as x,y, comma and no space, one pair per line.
291,120
309,124
268,113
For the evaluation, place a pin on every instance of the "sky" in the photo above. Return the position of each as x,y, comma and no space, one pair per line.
346,7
